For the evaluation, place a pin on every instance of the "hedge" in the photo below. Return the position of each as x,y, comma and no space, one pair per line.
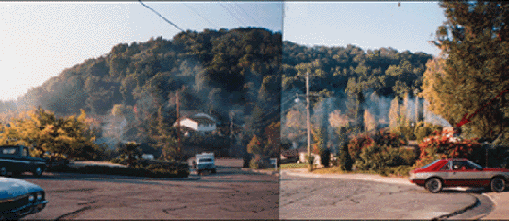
153,169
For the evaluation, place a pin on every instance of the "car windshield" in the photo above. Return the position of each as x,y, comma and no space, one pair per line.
428,165
205,160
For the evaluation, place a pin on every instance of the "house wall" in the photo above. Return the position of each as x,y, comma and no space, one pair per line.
189,123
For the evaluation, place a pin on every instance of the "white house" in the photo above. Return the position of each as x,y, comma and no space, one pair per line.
199,122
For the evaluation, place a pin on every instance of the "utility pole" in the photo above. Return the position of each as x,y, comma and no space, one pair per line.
178,126
310,163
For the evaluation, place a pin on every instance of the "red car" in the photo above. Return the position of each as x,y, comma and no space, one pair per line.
459,172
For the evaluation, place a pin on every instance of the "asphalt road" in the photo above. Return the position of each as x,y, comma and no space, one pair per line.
324,198
229,194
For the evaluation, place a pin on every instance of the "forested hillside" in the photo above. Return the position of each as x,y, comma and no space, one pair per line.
217,72
351,69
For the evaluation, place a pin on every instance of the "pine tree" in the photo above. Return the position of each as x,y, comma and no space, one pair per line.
475,44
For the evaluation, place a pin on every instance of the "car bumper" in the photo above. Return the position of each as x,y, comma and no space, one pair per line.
418,182
22,211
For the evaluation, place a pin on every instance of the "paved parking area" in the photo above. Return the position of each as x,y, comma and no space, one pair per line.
229,194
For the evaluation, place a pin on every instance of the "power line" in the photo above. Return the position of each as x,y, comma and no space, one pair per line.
189,7
231,14
157,13
248,14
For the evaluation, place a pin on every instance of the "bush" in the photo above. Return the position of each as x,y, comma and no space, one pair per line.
378,158
401,171
258,162
407,132
439,146
390,139
310,159
357,143
325,157
345,163
153,169
247,160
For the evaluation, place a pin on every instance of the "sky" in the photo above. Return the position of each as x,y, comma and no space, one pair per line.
369,25
40,40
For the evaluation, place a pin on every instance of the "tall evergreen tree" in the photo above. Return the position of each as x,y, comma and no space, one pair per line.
475,43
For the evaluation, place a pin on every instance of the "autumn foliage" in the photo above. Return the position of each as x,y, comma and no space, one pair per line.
440,146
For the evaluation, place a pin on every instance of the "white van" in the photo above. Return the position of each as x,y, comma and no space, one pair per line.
205,162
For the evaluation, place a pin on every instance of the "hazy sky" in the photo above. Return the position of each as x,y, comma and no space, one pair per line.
369,25
39,40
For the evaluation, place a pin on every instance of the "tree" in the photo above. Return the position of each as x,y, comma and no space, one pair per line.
45,132
476,48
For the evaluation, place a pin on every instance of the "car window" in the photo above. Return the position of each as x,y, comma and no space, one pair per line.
474,165
428,165
24,153
462,165
9,150
205,160
447,166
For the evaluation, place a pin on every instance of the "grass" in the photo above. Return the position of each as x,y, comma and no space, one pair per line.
389,172
293,165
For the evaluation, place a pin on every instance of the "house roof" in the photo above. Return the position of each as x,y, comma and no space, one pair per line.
199,120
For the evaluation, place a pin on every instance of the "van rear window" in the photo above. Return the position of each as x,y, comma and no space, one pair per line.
205,160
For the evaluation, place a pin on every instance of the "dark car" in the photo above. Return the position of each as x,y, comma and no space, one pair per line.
15,159
459,172
19,198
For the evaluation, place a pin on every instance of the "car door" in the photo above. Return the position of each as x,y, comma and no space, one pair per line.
465,174
446,174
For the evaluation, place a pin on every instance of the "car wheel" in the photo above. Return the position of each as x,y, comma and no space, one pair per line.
3,171
37,172
497,184
434,185
214,171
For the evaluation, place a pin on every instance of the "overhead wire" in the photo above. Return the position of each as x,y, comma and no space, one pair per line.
189,7
248,15
231,14
157,13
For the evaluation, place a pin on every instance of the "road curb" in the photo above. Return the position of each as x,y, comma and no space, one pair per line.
469,207
261,171
382,180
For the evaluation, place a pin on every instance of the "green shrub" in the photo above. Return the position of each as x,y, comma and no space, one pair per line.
310,159
254,163
357,143
152,169
325,157
258,162
345,163
407,132
378,158
401,171
390,139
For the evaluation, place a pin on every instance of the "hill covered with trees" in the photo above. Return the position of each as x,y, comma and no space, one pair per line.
217,72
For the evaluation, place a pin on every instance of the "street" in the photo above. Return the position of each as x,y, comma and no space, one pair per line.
229,194
325,198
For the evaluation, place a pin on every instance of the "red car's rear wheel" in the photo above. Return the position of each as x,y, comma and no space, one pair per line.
497,184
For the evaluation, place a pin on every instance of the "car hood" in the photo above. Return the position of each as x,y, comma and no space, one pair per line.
10,188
